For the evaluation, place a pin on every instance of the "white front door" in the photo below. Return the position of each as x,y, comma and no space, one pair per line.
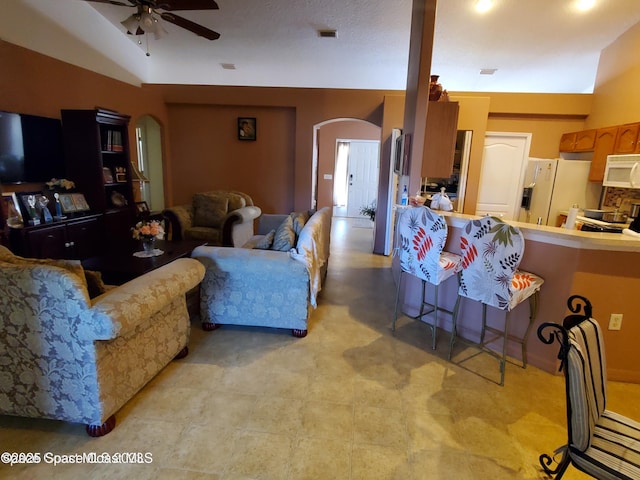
503,167
362,175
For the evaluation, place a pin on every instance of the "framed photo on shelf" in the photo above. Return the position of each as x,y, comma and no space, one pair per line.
29,203
107,175
142,208
121,174
80,202
66,203
11,208
247,128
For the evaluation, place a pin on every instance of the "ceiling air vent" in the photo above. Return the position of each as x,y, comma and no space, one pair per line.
228,66
488,71
328,33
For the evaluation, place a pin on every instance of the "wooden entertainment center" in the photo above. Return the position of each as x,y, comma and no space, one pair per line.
97,160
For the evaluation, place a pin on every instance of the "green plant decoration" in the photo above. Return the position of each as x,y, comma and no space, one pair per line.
369,211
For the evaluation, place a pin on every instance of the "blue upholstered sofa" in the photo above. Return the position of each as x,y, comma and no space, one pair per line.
264,286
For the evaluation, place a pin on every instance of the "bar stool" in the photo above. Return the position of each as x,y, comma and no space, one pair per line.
491,253
421,235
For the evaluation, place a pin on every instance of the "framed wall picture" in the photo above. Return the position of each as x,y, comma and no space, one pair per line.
66,203
247,128
80,202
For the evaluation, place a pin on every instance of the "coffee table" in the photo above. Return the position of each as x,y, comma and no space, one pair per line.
120,267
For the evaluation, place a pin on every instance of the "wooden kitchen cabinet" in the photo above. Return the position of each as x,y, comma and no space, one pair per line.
440,139
567,142
604,145
627,139
583,141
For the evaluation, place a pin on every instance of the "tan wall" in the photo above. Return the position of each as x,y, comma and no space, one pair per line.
616,96
328,135
209,156
311,106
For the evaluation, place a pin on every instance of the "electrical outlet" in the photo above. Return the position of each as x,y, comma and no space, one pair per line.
615,321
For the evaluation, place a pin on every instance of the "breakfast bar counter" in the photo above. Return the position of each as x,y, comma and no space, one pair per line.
604,267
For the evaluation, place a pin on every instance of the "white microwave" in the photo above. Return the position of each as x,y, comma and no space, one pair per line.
622,171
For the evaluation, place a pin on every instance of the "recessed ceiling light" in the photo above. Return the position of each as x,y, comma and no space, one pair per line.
228,66
488,71
585,5
328,33
483,6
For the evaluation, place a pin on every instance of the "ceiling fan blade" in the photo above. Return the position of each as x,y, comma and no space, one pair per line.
171,5
112,2
191,26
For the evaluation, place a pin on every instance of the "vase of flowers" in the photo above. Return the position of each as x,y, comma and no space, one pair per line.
147,232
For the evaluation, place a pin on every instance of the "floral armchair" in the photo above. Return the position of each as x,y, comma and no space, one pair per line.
67,356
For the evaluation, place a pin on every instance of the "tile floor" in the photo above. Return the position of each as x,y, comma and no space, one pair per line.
349,401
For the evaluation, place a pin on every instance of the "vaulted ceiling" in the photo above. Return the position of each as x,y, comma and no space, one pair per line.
546,46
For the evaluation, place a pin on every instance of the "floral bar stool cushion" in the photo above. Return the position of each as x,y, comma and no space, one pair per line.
491,253
422,235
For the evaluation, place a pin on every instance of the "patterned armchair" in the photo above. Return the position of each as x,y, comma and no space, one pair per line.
221,218
68,357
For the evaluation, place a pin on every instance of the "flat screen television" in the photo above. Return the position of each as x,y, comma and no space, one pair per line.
31,148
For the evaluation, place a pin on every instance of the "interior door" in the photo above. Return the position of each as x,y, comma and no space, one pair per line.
362,175
502,173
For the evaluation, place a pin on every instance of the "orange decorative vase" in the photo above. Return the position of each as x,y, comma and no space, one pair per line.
435,89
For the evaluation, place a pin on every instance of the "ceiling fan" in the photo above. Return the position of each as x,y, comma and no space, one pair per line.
145,19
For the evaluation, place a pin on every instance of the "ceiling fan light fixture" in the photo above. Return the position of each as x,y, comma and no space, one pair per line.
148,23
131,23
160,32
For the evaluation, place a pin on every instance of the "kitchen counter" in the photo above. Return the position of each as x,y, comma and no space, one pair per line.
600,266
575,239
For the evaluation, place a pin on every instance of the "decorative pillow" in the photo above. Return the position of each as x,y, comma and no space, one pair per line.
73,266
285,238
299,219
209,210
95,285
266,241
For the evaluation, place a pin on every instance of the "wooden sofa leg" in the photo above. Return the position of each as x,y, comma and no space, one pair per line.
299,333
209,326
182,353
101,430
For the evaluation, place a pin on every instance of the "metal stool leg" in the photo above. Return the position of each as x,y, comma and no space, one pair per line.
395,316
454,325
503,360
435,319
533,313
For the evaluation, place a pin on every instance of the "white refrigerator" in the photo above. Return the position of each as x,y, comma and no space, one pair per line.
555,185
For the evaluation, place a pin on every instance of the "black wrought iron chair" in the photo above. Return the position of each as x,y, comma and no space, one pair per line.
603,444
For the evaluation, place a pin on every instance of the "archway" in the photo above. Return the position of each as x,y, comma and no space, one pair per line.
326,134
